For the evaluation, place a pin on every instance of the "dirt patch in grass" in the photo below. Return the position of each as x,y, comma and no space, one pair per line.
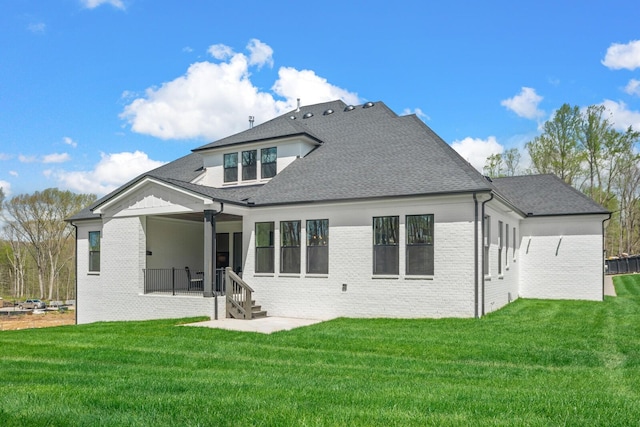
29,320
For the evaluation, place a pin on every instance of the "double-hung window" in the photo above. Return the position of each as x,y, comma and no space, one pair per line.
318,246
231,167
94,251
419,244
385,245
264,247
249,165
289,246
268,162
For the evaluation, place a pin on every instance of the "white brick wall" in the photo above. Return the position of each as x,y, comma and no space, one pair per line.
117,292
500,289
536,272
449,293
562,258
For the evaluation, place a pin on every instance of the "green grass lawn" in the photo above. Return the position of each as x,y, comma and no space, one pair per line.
536,363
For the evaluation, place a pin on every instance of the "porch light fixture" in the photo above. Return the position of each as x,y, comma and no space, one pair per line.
344,287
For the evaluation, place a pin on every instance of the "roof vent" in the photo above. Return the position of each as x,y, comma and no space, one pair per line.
307,115
327,112
368,105
292,117
349,108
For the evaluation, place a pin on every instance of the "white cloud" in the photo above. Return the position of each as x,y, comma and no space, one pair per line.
525,104
309,87
476,151
213,100
92,4
27,159
112,171
220,51
260,53
69,141
5,156
418,112
621,116
56,158
13,173
6,188
620,56
37,27
633,87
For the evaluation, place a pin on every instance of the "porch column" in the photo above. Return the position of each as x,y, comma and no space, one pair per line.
209,252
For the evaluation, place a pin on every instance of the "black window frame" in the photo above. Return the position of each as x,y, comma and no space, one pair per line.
230,173
264,250
317,246
250,165
268,169
419,244
386,244
290,245
487,245
94,252
500,248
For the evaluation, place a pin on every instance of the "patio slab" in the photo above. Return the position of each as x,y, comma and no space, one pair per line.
264,325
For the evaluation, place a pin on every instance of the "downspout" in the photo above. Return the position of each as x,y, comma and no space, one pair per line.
483,237
604,251
475,253
75,311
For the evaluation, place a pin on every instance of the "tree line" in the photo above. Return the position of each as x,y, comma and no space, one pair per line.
583,148
37,245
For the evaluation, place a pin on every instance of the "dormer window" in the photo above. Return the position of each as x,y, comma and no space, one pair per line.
249,165
269,162
231,167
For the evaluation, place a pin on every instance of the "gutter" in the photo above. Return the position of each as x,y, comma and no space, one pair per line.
483,237
75,311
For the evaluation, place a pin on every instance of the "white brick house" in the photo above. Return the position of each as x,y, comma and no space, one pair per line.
334,210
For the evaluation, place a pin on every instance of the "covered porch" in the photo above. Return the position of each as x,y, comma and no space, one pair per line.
187,253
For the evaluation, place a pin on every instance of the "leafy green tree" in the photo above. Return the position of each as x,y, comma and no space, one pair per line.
557,150
502,164
493,166
511,159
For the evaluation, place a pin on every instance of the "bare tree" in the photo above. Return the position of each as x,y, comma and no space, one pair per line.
38,220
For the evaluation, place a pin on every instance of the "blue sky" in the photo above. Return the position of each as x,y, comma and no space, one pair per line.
95,92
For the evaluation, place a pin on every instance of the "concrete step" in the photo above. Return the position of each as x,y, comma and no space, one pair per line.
258,314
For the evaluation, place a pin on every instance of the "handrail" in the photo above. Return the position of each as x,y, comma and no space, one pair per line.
238,293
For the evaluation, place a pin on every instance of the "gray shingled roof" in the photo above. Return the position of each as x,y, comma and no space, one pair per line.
543,195
364,152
